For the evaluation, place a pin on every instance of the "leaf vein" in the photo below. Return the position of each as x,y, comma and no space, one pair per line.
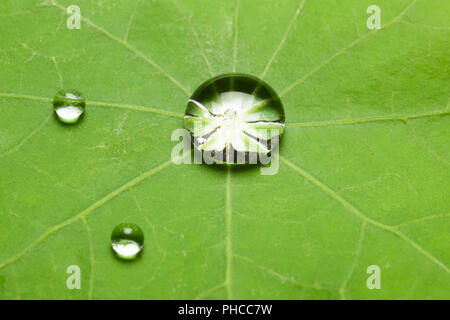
281,277
28,137
86,211
91,258
342,51
132,49
197,39
100,104
436,216
362,216
425,143
210,290
283,39
326,123
236,33
229,249
130,21
355,261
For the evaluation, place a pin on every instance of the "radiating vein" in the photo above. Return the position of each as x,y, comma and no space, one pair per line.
22,96
61,79
401,14
359,214
100,104
355,261
343,50
236,32
325,123
87,211
130,21
137,108
91,257
283,39
28,137
197,39
229,249
132,49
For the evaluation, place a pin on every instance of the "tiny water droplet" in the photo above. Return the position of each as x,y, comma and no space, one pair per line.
69,105
127,240
235,117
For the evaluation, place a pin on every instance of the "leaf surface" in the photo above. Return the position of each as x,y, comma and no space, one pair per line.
364,171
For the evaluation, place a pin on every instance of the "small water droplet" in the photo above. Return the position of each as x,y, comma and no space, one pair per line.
127,240
69,105
233,117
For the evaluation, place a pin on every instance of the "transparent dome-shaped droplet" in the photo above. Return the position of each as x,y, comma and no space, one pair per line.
235,117
127,240
69,105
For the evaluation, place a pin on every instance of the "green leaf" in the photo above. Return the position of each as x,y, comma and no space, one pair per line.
364,173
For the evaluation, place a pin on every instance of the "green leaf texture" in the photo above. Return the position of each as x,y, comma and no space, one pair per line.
364,171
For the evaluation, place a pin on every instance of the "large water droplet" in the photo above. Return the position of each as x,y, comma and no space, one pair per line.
127,240
233,117
69,105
